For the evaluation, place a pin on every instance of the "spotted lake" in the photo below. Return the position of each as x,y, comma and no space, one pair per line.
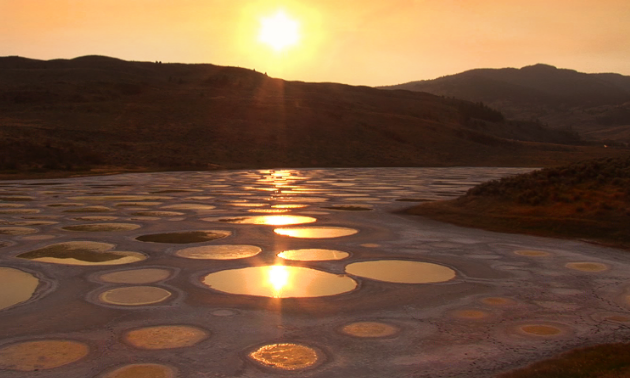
264,273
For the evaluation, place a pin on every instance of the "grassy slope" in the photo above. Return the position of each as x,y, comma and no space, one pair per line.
595,105
588,200
602,361
97,111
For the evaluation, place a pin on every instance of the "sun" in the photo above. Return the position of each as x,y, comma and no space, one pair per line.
279,31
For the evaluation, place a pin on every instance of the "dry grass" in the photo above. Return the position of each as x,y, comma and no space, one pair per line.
601,361
587,201
140,115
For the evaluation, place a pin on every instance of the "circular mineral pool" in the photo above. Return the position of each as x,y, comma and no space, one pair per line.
285,356
219,252
179,191
185,237
224,312
247,204
268,211
497,301
349,207
289,206
30,223
90,209
269,220
315,232
134,295
16,198
401,271
138,204
120,198
41,355
142,371
157,213
65,204
19,211
587,267
532,253
102,227
471,314
313,255
82,253
14,231
16,286
165,337
300,199
189,206
618,318
136,276
540,330
370,329
199,198
38,237
96,218
279,281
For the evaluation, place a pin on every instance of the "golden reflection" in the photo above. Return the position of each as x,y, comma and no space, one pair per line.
134,295
401,271
143,371
16,286
41,354
268,220
370,329
278,279
289,206
285,356
165,337
587,267
315,232
313,254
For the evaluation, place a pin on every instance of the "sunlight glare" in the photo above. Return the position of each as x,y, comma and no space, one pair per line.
279,31
278,279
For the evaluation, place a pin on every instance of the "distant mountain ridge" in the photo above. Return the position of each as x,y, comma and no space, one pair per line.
101,111
595,105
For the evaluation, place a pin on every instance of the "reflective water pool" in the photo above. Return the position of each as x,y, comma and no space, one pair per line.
16,286
401,271
285,356
316,232
279,281
219,252
82,253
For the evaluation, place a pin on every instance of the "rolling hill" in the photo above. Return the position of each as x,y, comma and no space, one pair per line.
597,106
584,200
97,111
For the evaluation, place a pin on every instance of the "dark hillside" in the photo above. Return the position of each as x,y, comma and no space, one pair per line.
564,99
584,200
91,111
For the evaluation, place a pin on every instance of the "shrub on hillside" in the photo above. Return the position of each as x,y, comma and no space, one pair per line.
557,184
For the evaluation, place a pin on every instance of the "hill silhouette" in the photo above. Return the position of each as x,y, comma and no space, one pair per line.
98,111
597,106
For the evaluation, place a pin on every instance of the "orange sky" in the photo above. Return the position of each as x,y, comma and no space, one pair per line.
362,42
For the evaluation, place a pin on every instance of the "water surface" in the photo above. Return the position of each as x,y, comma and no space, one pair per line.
279,281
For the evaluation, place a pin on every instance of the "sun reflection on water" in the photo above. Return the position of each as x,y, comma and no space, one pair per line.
278,279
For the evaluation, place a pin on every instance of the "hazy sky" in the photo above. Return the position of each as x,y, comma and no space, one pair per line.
363,42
